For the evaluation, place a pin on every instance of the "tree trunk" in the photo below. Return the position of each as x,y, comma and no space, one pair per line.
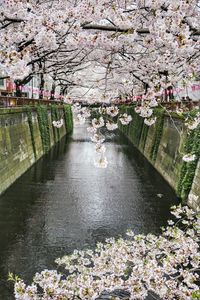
18,88
53,91
41,89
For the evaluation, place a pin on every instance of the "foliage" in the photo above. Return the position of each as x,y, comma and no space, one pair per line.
55,116
30,122
137,131
164,266
139,52
68,116
42,113
158,134
134,130
143,138
187,173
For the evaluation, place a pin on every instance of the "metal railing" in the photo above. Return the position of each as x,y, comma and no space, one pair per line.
9,101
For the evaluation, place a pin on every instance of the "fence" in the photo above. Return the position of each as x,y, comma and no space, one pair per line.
9,101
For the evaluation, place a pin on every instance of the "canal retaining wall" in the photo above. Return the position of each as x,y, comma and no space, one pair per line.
164,145
26,134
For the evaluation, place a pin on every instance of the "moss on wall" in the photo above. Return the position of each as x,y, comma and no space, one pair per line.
55,117
25,135
143,138
192,145
42,113
68,117
161,144
30,122
134,130
158,134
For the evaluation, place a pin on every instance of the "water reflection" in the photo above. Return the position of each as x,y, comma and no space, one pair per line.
64,202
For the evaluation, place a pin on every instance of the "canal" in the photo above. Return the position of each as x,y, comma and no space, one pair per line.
64,202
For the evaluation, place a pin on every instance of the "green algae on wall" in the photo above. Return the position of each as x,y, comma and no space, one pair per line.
134,130
42,112
30,122
26,134
68,117
158,134
194,196
162,144
187,174
16,148
144,134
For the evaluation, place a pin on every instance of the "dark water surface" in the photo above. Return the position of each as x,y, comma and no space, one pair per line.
63,202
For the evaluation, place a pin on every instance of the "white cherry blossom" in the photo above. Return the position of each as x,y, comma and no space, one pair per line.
150,121
98,138
112,111
125,119
111,126
164,266
58,124
98,123
189,157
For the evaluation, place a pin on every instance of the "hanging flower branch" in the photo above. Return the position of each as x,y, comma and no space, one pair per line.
106,118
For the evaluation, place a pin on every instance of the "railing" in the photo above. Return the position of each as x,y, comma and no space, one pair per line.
178,105
9,101
171,105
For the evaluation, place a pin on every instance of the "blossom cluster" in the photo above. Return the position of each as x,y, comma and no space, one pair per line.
164,266
189,157
58,124
145,110
144,47
106,118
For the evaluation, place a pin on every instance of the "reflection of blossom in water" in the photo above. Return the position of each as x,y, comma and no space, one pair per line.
99,148
101,162
92,129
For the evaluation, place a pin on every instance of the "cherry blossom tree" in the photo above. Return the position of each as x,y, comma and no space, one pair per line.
155,42
143,48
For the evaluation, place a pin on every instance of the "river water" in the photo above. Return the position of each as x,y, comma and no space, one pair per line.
64,203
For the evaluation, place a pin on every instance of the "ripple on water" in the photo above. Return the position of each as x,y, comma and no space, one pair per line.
64,202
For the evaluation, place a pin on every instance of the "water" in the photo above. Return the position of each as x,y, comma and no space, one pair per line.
64,202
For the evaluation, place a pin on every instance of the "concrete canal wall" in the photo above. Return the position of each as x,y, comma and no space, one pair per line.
26,134
164,145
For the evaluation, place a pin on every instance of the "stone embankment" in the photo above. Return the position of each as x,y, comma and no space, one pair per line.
164,145
26,134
